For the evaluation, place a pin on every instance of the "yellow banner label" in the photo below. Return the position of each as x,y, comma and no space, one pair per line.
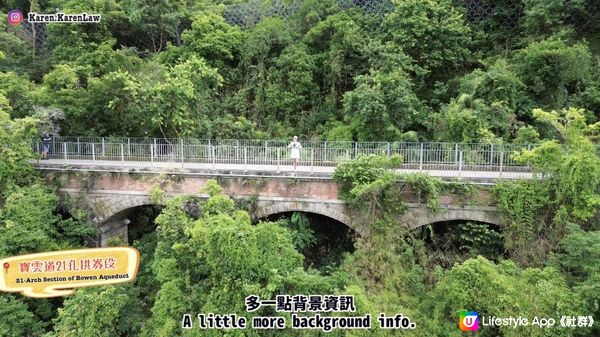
59,273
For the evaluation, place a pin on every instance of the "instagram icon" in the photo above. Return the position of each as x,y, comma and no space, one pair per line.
468,321
15,17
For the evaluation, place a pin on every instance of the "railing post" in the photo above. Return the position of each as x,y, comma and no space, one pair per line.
245,159
128,147
325,152
278,158
65,150
94,153
355,150
209,150
122,154
501,162
237,150
103,147
460,159
456,153
151,153
312,159
421,158
78,147
154,146
388,149
491,154
212,155
182,150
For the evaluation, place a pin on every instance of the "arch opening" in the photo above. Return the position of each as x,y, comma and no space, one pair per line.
420,217
454,241
321,239
142,222
129,224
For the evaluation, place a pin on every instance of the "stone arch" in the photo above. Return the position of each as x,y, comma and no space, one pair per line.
418,217
107,207
111,211
334,210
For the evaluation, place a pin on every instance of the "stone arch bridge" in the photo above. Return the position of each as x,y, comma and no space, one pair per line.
111,196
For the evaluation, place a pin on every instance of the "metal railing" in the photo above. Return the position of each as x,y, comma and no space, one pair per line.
274,155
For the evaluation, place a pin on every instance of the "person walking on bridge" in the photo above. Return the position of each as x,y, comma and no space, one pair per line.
46,139
295,152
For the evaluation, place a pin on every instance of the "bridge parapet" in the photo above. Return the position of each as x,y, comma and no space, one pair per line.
272,157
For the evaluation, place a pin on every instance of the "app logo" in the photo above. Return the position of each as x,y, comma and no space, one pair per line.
468,321
15,17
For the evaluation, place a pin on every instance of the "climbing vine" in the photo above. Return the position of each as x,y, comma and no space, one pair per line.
157,190
87,181
463,191
135,175
157,194
248,204
426,188
572,166
257,183
354,175
526,208
372,189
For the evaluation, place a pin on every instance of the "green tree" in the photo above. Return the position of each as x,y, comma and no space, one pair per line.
115,96
579,251
526,135
176,102
18,55
544,17
212,262
299,225
574,167
67,43
15,149
105,59
463,120
28,223
502,290
498,83
16,319
338,44
99,312
211,38
157,22
383,102
553,70
291,92
311,12
17,90
64,88
434,34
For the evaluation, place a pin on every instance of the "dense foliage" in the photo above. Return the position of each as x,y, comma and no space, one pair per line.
523,72
421,70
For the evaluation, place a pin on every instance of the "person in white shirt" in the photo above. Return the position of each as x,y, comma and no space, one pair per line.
295,152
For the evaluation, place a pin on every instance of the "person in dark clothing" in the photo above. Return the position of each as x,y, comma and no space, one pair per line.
46,140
